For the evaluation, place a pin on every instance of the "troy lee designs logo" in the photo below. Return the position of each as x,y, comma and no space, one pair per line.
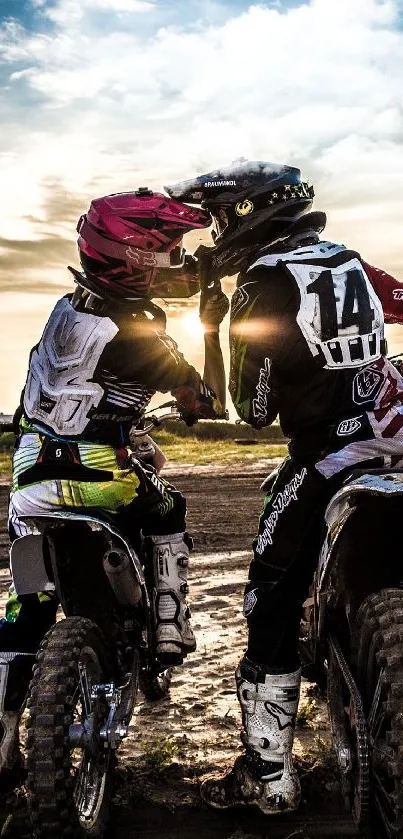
171,346
349,426
240,298
259,404
280,502
367,384
249,602
398,293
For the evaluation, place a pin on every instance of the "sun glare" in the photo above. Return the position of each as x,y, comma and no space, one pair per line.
190,324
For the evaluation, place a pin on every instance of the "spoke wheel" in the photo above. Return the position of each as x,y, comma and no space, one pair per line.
70,772
378,655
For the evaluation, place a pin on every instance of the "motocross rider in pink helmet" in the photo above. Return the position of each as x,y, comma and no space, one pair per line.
103,354
130,247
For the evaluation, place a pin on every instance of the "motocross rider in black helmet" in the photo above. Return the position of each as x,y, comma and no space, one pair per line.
307,344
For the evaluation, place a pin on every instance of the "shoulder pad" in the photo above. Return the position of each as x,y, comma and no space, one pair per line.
321,250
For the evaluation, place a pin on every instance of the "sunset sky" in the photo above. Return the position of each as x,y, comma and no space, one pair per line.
99,96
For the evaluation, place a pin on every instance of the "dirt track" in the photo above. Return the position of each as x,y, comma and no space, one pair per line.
197,728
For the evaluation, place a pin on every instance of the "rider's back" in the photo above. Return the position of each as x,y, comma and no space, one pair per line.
92,374
307,335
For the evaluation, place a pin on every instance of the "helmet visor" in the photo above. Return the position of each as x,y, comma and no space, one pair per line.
220,222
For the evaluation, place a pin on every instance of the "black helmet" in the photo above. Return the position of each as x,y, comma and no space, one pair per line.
252,204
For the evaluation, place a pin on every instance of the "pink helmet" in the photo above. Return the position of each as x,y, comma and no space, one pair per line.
125,239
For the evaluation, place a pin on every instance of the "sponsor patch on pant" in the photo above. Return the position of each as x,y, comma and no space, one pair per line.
279,504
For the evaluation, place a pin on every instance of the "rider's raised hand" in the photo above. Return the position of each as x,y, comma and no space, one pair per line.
213,308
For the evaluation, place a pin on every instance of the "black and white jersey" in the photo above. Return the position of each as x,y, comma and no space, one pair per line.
307,341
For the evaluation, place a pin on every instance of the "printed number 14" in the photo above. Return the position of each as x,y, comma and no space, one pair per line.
355,297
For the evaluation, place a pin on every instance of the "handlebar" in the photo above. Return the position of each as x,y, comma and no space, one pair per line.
154,422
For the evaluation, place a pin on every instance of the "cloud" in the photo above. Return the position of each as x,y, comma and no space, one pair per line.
38,263
28,263
118,98
70,13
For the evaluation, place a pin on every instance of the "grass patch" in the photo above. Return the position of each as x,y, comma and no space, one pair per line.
320,756
307,714
159,752
198,452
7,441
221,430
319,773
5,462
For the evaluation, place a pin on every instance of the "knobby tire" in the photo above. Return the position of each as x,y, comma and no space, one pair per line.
378,657
55,776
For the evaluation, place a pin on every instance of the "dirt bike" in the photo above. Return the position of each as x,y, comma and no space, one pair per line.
352,644
89,665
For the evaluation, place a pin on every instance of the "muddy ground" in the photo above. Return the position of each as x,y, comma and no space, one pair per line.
179,740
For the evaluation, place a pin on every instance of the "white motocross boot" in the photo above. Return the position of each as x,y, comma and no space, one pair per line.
175,638
264,775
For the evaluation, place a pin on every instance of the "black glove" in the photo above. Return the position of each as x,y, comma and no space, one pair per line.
214,304
189,419
201,404
213,308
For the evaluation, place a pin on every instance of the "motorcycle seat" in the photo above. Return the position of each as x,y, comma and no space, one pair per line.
358,473
68,514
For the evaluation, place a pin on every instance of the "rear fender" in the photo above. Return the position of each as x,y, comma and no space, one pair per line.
29,577
339,510
28,567
341,507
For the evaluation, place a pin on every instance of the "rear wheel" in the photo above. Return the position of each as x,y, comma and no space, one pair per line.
378,656
70,772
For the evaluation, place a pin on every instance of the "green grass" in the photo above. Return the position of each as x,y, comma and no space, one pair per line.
198,452
221,430
159,752
319,757
307,714
203,430
5,462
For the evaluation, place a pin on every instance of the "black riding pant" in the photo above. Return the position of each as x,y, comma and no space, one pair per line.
285,556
